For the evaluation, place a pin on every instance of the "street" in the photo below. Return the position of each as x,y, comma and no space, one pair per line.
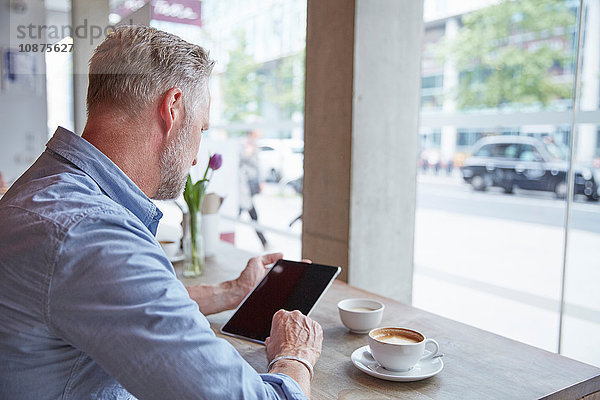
450,193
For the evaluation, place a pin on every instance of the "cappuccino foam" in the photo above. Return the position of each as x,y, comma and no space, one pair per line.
397,336
396,339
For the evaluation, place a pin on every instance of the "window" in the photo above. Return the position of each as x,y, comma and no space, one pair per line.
467,138
432,90
504,239
485,151
511,151
529,153
257,105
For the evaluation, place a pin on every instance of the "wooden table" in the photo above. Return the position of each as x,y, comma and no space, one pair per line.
477,364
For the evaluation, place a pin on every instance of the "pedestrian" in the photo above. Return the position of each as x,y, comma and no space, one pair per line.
249,179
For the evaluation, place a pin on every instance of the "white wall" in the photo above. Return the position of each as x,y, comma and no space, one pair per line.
23,131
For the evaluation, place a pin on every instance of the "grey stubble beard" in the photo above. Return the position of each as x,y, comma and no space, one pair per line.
172,165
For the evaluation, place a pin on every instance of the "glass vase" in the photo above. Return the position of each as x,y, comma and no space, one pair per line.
193,245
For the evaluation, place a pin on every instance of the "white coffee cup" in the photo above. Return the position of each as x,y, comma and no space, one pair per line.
360,315
399,349
170,248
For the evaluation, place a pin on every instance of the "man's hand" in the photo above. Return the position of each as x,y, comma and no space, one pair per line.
294,334
227,295
255,270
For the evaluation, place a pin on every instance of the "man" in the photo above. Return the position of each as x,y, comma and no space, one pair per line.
248,179
89,304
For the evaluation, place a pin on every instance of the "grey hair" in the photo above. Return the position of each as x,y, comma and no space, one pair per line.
135,65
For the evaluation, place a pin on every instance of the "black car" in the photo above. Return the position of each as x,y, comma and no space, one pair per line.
526,163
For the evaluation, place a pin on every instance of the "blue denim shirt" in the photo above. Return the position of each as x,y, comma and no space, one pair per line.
90,307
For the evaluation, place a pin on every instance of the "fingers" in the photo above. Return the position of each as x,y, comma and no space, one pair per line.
282,314
293,333
274,257
279,314
271,258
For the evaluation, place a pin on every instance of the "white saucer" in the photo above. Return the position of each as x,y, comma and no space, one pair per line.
363,360
177,257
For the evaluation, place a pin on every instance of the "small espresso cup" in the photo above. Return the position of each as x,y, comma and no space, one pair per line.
360,315
169,247
399,349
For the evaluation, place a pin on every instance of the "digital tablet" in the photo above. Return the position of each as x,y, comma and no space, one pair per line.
288,285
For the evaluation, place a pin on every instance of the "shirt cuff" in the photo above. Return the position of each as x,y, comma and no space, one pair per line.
285,386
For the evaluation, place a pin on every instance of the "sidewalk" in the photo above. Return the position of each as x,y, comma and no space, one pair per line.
505,277
275,209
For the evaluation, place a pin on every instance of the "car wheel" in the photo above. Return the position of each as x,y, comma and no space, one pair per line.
560,189
593,197
478,183
508,188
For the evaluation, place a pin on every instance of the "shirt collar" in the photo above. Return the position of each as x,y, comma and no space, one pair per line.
118,186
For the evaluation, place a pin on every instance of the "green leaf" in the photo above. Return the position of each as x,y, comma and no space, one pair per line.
248,86
510,52
191,194
187,192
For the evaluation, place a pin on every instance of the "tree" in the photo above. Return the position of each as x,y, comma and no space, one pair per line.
248,86
240,83
512,52
284,86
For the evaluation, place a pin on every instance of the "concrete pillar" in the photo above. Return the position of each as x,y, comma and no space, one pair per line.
85,14
590,92
449,133
361,133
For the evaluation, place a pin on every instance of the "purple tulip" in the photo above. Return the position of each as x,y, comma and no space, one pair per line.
215,162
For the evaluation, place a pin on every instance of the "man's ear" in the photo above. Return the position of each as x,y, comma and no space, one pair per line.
172,111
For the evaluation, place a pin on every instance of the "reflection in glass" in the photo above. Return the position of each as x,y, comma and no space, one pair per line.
581,306
502,75
257,86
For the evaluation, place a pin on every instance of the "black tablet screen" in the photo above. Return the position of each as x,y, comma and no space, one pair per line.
289,285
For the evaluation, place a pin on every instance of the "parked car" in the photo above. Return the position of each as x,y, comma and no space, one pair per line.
280,159
526,163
